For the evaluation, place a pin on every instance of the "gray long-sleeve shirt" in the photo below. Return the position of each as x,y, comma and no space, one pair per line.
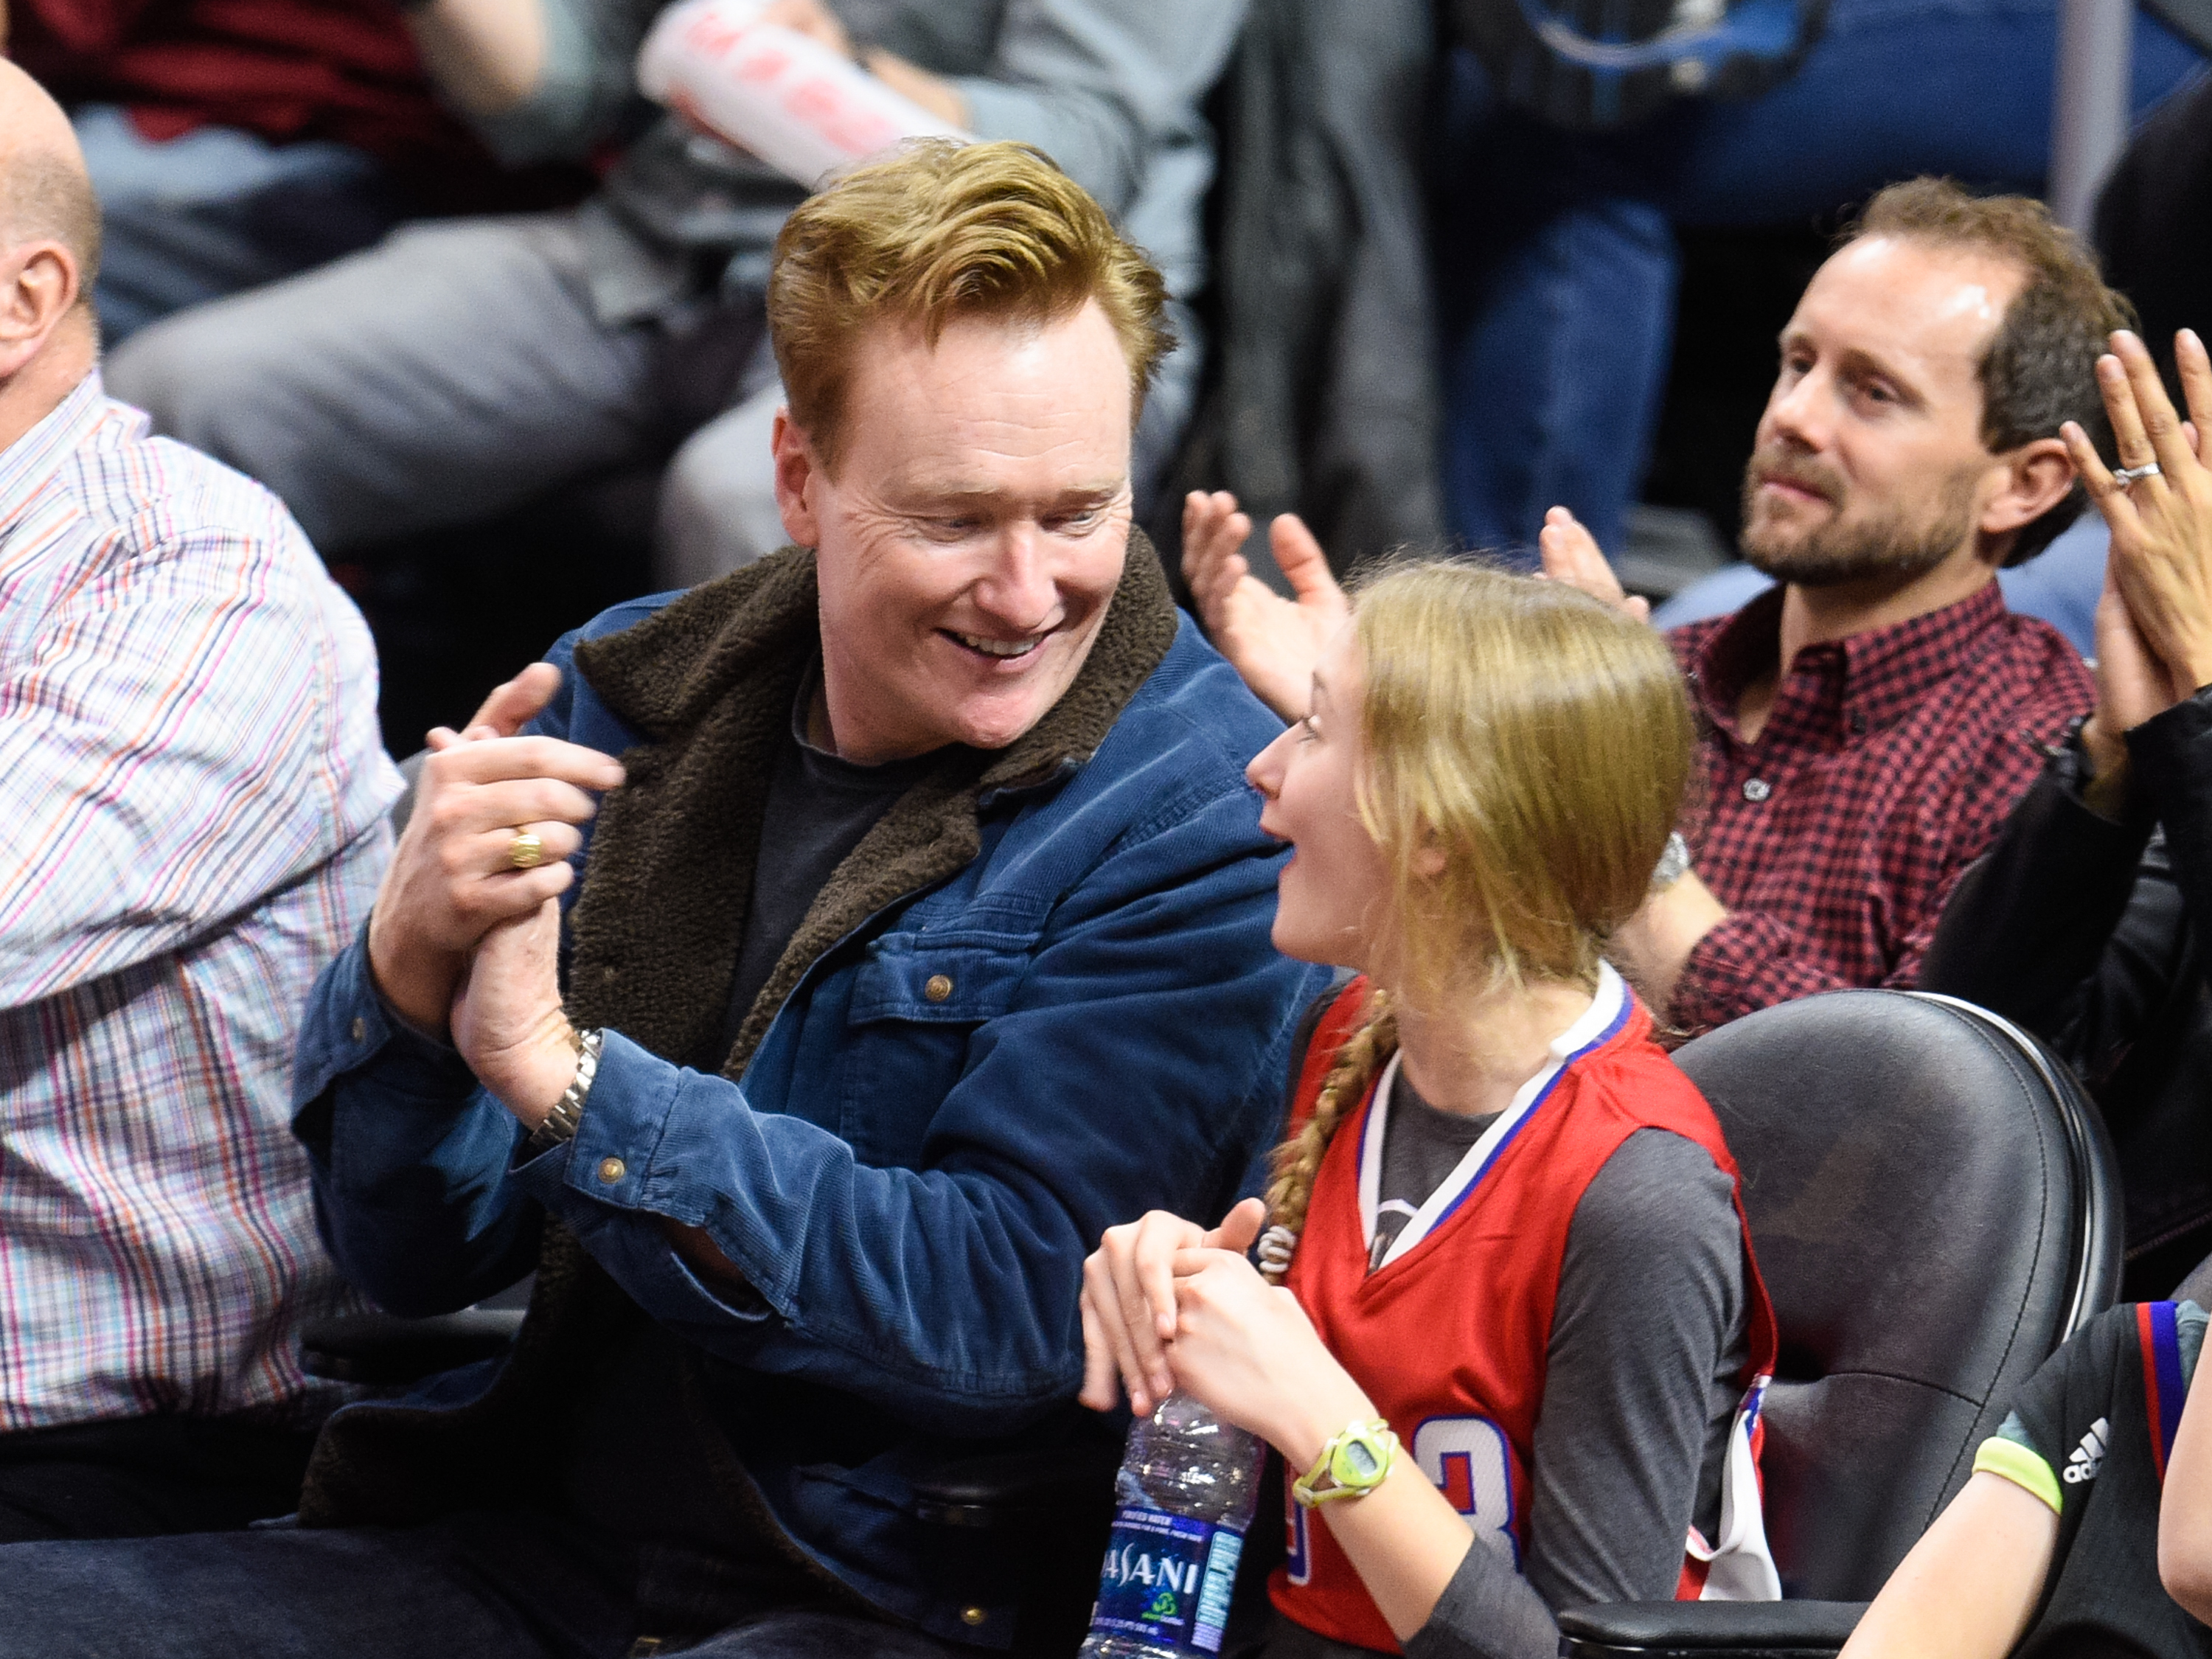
1641,1384
1108,88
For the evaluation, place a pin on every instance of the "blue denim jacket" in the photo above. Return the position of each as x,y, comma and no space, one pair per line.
907,1173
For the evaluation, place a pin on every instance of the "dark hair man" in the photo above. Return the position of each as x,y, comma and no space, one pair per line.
932,832
193,800
1868,722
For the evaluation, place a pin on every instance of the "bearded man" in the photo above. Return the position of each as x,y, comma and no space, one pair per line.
1869,722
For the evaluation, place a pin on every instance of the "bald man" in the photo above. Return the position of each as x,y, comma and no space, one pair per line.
193,800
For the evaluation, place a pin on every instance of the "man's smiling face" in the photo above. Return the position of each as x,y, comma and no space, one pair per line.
974,534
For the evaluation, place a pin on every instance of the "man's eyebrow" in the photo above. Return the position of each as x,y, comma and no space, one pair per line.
1858,360
1074,496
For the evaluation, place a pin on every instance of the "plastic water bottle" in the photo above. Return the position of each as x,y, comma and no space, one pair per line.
783,95
1183,1503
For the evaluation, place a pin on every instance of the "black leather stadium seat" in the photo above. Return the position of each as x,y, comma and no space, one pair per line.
1933,1205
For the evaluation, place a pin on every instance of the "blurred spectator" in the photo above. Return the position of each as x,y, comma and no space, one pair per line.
233,142
460,369
1323,396
191,824
1868,723
1558,248
2079,924
2154,222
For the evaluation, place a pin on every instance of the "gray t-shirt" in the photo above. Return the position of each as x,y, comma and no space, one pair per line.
1643,1378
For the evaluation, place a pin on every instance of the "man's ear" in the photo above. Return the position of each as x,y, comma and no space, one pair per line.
2035,478
38,289
797,470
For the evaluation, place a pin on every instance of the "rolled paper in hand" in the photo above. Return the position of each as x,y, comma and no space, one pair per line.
783,95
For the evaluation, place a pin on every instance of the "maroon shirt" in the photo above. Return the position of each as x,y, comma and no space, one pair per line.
1886,766
343,69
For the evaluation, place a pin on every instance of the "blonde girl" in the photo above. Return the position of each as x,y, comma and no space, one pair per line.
1515,1358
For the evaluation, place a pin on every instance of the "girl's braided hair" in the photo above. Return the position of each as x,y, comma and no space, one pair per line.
1298,1160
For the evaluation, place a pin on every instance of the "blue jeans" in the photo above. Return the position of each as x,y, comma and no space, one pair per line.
2060,584
486,1585
217,211
1558,251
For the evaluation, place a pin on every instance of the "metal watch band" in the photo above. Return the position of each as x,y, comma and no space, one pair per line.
567,1114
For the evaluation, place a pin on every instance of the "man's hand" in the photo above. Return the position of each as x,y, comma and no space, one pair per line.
507,1017
450,881
2161,524
1128,1300
1272,641
1571,556
1653,947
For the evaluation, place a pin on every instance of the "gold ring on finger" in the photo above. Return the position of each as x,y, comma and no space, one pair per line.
526,851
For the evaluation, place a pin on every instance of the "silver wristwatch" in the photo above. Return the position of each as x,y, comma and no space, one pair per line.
562,1122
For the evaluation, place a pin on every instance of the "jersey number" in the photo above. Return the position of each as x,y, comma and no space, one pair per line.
1466,1459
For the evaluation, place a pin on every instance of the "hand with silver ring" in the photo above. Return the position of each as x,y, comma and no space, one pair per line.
2159,508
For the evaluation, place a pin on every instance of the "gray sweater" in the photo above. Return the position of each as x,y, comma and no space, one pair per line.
1108,88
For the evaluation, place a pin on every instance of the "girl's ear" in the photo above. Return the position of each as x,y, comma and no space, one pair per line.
1429,859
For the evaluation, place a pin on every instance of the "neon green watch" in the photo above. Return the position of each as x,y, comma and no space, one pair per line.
1357,1458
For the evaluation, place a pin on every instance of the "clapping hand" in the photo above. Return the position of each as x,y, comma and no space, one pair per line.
1571,556
1272,641
2160,562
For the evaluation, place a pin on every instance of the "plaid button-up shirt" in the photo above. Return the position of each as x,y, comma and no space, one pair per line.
1886,766
192,795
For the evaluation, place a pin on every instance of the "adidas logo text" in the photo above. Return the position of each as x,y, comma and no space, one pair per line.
2081,1463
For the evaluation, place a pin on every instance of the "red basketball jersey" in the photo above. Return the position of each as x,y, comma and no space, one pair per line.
1448,1334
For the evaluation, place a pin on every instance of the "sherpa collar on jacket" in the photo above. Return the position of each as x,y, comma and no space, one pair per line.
708,681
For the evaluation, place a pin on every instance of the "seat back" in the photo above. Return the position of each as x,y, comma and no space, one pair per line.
1933,1202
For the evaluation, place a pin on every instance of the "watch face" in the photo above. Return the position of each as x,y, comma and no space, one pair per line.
1359,1462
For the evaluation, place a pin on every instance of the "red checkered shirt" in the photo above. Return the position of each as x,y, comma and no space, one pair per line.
1886,767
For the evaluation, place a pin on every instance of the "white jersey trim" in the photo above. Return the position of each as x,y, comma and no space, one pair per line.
1595,1027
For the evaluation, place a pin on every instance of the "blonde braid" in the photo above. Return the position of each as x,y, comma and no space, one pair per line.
1298,1160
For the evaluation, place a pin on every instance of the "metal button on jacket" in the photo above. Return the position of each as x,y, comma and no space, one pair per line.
1757,789
937,987
613,1169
